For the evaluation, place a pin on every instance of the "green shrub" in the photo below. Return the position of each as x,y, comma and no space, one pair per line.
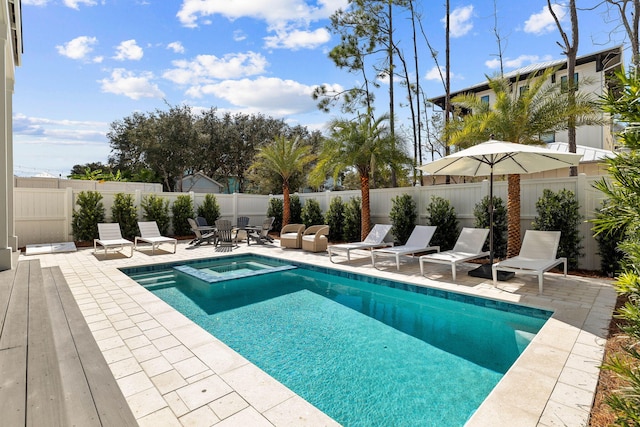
352,219
124,212
334,218
610,255
296,209
311,213
209,209
481,213
403,216
441,214
156,208
275,210
561,212
182,210
84,223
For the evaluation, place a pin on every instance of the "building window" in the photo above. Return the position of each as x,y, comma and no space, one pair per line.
564,86
548,137
485,99
523,89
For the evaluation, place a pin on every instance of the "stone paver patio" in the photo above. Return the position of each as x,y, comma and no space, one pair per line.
174,373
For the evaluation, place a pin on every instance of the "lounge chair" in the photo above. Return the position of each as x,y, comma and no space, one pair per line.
226,234
111,238
261,235
204,234
418,242
537,255
243,222
291,236
375,239
314,238
149,233
468,246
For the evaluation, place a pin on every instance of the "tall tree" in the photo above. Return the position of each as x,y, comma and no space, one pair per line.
358,144
570,49
285,156
627,14
520,115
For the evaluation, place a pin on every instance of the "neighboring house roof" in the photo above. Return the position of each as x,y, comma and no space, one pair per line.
604,59
199,176
589,154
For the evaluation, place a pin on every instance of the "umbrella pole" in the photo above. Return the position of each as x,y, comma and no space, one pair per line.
491,216
484,271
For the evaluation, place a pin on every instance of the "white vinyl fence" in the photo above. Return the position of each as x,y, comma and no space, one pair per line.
43,215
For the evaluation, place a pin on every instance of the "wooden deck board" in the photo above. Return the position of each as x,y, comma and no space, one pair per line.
13,346
111,405
52,372
44,385
76,395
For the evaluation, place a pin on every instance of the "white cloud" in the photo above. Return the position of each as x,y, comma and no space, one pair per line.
258,95
65,130
239,35
204,68
460,21
297,39
128,49
272,11
78,48
438,74
512,63
542,22
74,4
176,47
123,82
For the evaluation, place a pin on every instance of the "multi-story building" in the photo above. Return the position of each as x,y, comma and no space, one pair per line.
592,73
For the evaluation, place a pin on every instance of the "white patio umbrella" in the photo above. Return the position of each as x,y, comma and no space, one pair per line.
499,157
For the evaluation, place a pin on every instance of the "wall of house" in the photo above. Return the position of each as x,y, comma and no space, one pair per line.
590,81
44,215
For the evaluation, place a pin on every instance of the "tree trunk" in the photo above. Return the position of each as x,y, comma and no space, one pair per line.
365,224
513,215
286,204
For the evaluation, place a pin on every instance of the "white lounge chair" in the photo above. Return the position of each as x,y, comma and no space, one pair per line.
537,255
418,242
375,239
111,238
468,246
149,233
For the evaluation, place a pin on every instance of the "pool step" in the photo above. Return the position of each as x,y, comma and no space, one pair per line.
238,274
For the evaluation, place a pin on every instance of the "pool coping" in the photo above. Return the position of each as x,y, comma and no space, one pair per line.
142,337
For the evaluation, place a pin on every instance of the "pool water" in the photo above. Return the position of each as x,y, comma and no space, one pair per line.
365,351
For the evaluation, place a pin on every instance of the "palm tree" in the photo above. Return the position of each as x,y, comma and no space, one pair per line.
285,156
521,115
359,144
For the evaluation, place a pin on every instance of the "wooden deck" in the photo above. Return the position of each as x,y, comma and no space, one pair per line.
52,372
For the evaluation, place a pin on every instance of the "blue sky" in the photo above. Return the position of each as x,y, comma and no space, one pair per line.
87,63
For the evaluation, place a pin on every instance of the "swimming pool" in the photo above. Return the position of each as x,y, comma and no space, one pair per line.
364,350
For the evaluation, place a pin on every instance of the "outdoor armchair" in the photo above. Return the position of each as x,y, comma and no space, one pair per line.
314,238
291,236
